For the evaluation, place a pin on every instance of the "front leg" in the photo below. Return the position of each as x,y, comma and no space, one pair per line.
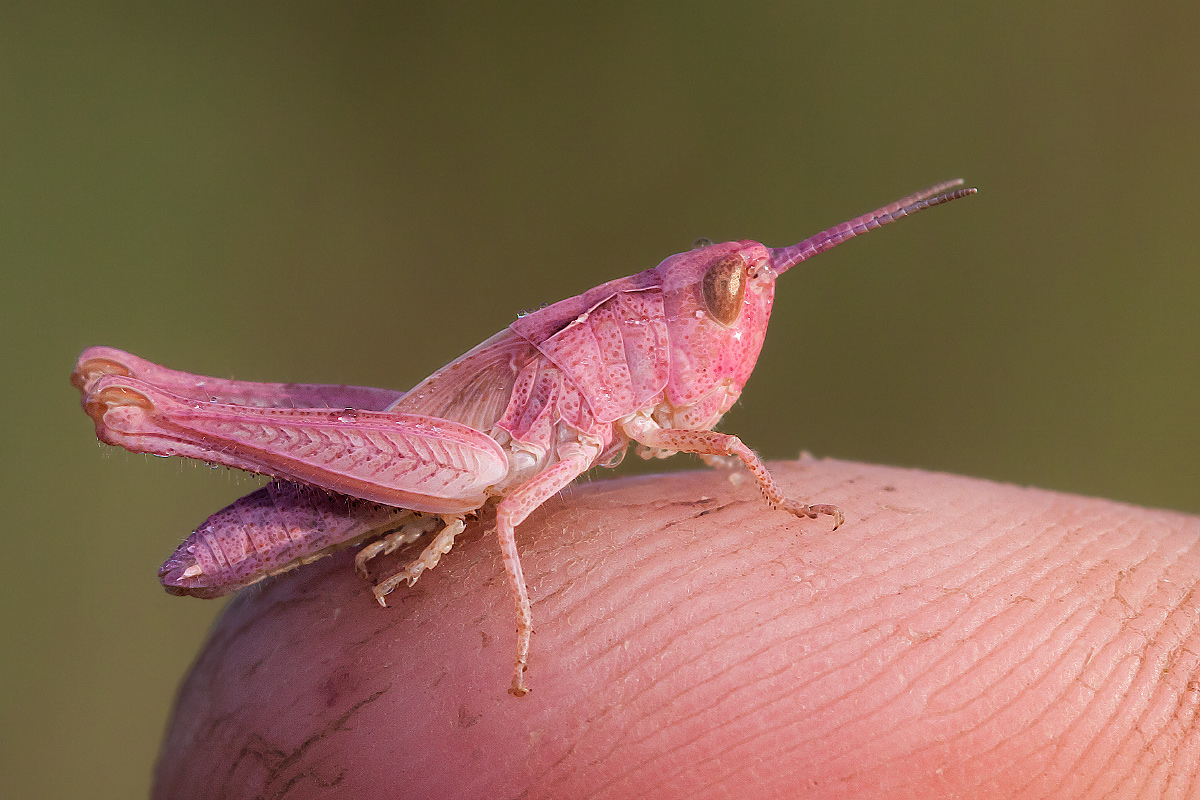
710,443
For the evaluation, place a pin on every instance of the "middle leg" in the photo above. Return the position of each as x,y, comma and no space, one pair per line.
512,511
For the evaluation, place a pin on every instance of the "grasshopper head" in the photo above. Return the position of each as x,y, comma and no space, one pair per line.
717,299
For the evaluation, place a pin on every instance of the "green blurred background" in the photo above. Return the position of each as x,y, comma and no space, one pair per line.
344,194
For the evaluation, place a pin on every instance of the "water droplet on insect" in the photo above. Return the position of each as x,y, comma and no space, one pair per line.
614,459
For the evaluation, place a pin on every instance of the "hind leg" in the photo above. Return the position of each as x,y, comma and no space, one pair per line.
392,541
433,552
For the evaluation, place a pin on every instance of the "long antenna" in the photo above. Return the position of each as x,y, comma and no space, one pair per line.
784,258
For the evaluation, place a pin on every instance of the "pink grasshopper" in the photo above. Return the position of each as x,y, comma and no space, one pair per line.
656,358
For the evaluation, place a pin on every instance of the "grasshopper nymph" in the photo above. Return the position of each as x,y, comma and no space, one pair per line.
654,359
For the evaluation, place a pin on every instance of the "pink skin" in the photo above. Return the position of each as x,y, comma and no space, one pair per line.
656,358
956,638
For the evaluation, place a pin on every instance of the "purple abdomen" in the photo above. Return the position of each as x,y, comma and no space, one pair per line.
280,526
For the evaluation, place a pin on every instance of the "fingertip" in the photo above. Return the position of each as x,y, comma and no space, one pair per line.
713,628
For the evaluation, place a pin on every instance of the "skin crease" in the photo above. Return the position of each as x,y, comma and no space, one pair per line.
955,638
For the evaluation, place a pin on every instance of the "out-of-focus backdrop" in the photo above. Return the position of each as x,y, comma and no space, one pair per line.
355,195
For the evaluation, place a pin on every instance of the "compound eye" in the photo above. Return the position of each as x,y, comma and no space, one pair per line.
724,287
